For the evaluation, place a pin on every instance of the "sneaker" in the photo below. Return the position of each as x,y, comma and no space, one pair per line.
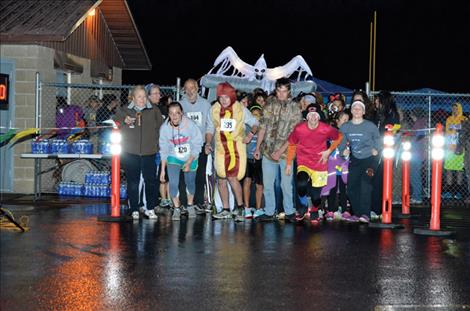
374,216
184,211
292,218
321,214
345,216
265,218
337,216
330,216
151,214
281,216
240,214
257,213
135,215
364,219
458,196
165,203
315,217
200,210
248,213
447,195
353,218
176,214
191,211
224,214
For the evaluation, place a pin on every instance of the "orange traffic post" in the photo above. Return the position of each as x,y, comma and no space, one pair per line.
437,154
388,155
115,179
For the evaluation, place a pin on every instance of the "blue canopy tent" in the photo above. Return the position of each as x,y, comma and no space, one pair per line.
326,88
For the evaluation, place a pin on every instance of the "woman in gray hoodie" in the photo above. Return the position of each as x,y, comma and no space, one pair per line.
180,145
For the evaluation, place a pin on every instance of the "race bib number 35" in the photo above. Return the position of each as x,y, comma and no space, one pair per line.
227,125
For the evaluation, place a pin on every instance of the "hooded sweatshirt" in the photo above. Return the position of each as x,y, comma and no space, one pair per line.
453,125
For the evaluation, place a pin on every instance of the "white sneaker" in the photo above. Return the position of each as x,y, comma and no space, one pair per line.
151,214
135,215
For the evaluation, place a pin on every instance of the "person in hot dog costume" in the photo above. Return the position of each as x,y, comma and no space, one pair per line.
226,126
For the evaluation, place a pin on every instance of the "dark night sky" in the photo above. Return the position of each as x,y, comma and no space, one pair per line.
419,43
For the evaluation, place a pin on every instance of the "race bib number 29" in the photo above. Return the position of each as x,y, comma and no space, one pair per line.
228,125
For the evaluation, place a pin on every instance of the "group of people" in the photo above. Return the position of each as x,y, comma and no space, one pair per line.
323,160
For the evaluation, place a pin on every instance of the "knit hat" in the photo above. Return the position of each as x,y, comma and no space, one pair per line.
358,102
310,99
314,108
227,89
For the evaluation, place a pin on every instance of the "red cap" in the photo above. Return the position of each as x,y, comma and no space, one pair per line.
226,89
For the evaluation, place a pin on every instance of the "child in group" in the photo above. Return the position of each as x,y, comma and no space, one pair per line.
253,170
337,179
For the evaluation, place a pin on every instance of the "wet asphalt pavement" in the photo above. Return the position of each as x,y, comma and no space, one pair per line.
70,261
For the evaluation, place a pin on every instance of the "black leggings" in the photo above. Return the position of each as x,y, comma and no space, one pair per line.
305,188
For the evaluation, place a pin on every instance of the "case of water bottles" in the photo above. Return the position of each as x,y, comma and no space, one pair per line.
97,184
40,146
82,146
61,146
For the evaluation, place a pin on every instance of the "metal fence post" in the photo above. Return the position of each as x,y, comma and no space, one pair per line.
178,86
37,124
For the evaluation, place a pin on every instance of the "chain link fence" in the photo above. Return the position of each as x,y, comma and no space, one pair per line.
419,114
63,105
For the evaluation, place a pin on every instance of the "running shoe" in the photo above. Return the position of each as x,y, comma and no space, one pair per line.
265,218
176,214
191,211
150,214
330,216
258,213
135,215
224,214
337,215
364,219
248,213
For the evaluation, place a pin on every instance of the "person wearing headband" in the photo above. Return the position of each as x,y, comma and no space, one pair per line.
363,139
308,142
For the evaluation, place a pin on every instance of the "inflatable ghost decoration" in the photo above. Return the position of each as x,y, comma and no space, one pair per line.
228,67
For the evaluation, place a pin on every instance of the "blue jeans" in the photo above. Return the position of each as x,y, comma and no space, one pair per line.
270,169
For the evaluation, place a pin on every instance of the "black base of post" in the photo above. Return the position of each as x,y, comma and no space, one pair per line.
428,232
379,225
114,219
407,216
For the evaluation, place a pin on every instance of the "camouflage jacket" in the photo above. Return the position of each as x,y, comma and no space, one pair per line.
278,120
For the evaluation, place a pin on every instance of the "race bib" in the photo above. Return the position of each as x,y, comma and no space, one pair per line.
196,117
182,151
227,125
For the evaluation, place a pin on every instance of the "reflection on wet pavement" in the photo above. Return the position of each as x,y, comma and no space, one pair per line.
70,261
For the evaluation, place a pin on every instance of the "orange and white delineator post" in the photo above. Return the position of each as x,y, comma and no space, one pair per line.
438,142
388,154
436,183
405,170
115,179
